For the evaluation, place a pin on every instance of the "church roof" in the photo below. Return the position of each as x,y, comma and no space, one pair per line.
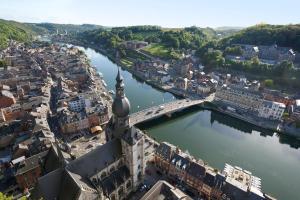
73,181
121,106
97,159
117,178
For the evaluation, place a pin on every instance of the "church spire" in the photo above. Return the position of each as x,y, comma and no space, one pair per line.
119,84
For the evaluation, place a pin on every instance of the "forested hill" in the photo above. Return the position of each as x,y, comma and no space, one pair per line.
265,34
14,30
51,28
24,32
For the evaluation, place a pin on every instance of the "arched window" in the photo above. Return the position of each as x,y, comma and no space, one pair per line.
103,175
112,169
140,176
128,184
121,191
113,197
120,163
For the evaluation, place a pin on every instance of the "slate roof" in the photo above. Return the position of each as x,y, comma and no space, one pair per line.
196,170
73,182
235,193
164,190
97,159
180,161
31,163
209,179
132,135
50,184
114,180
164,150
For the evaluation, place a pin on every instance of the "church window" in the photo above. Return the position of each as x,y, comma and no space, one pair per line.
112,169
103,175
113,197
121,191
128,185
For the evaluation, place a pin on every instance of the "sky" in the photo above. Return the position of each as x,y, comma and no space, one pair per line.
165,13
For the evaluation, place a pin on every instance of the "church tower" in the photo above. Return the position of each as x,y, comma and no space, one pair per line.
120,109
131,138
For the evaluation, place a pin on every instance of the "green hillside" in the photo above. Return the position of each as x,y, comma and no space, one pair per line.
14,30
265,34
42,28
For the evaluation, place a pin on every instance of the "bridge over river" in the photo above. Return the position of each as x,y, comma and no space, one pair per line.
165,109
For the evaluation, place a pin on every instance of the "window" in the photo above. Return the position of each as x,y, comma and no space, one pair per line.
128,184
113,197
112,169
103,175
121,191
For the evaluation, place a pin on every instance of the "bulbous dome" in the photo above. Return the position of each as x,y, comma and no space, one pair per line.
121,107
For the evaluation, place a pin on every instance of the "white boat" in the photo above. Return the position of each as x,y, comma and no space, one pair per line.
111,92
100,74
104,83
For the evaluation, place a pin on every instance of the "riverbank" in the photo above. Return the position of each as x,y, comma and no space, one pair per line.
266,124
214,137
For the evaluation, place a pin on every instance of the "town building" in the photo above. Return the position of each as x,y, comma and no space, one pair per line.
208,183
29,170
239,97
164,190
112,170
6,99
181,83
271,110
271,54
134,44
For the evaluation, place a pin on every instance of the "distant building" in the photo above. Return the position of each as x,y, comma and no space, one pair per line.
271,110
29,170
11,113
239,97
272,54
6,99
181,83
278,97
134,44
203,88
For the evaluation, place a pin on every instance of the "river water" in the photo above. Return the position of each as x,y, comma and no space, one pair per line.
214,137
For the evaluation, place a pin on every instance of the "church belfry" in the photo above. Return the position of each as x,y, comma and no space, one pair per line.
132,139
119,122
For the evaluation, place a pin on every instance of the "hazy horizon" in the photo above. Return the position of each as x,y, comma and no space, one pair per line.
168,13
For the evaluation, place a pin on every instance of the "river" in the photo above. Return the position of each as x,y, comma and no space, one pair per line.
214,137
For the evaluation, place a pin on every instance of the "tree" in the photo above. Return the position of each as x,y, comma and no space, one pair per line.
3,63
213,59
283,68
269,83
236,51
255,61
4,197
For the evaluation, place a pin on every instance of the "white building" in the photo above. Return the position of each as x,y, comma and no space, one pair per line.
271,110
203,88
181,83
79,103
